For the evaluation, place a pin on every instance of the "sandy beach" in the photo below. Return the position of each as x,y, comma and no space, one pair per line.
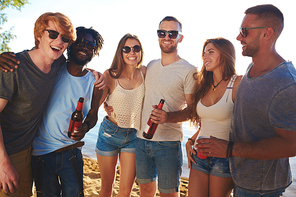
92,182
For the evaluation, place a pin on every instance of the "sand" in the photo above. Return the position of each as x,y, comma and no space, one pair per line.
92,182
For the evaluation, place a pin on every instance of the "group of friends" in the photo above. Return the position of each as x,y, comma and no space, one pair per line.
246,124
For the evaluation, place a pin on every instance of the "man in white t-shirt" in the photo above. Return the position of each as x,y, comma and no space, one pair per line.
169,78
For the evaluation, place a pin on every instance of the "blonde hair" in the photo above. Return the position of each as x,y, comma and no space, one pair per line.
62,21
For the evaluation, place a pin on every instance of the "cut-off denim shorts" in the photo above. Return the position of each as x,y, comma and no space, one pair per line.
113,139
162,159
212,166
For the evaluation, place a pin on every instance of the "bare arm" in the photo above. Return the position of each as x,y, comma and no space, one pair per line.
92,116
160,116
280,146
8,175
189,148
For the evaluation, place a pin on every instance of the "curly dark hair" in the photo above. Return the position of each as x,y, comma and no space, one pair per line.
80,33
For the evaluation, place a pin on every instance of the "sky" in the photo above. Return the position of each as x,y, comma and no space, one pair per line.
201,20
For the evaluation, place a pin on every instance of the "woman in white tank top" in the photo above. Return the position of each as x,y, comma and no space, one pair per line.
212,109
125,93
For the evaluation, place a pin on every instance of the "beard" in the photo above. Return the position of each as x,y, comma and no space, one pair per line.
73,57
168,49
252,48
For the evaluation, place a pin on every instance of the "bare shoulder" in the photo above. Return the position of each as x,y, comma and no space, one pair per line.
235,86
109,80
144,70
237,81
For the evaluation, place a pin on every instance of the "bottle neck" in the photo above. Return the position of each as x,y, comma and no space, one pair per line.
79,106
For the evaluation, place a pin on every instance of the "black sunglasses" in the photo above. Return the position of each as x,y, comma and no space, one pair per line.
85,43
54,34
172,34
128,49
243,30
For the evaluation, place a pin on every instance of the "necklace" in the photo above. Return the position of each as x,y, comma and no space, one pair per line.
215,86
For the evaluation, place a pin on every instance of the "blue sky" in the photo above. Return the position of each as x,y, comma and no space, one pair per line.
114,18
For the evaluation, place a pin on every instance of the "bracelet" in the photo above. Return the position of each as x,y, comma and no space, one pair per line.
190,139
229,149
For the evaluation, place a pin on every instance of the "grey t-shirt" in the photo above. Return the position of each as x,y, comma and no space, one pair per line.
261,104
27,90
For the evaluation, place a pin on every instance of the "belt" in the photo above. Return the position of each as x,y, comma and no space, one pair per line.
76,145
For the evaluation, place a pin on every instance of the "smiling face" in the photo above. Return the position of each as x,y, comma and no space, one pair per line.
132,58
51,49
211,57
168,45
251,42
80,54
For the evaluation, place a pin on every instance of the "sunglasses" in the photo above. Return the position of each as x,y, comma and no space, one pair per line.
128,49
54,34
172,34
243,30
88,44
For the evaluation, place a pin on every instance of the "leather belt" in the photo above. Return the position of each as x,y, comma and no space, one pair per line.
76,145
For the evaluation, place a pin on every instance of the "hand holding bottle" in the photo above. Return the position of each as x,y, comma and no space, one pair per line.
158,116
76,118
151,126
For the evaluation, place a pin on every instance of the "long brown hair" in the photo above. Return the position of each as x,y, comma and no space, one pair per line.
117,65
205,78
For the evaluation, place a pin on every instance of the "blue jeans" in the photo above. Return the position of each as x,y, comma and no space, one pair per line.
58,173
239,192
162,159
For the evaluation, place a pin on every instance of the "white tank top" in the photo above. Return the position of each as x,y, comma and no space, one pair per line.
216,119
127,105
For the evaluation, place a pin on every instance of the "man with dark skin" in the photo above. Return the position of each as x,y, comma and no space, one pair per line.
52,145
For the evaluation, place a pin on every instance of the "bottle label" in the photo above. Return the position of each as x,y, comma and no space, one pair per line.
146,129
73,125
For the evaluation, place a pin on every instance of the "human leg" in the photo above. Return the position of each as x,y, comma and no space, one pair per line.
220,183
148,189
107,165
168,161
220,186
198,183
50,183
145,168
71,172
127,173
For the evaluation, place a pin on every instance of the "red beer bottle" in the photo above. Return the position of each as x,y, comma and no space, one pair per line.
151,127
76,118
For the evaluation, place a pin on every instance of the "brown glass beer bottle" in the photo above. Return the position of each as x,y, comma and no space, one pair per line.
76,118
151,127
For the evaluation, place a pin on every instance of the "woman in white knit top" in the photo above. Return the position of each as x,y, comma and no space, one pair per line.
213,104
125,93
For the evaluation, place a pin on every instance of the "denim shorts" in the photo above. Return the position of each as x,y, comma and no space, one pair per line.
162,159
113,139
239,192
212,166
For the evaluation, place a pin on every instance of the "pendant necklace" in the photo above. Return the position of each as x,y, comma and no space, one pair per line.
215,86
